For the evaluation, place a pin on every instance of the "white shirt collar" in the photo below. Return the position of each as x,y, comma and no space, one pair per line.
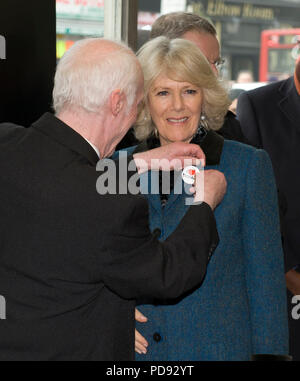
95,148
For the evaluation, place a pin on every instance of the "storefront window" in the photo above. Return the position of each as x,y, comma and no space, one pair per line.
77,19
239,25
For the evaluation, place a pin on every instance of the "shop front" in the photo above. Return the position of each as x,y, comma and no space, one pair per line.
240,24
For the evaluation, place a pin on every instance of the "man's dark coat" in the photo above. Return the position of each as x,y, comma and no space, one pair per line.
72,262
270,119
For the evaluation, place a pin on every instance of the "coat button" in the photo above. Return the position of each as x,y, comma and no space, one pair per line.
157,232
157,337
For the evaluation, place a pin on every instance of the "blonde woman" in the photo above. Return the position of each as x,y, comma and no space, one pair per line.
240,308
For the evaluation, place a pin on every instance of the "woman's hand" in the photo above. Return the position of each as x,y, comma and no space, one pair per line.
141,343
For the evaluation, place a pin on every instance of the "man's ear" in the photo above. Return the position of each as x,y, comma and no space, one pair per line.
117,101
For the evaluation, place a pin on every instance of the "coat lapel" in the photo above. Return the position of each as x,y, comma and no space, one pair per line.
290,101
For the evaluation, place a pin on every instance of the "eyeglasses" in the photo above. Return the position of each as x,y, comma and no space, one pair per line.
218,63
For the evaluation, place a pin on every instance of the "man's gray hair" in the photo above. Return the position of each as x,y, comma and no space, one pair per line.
176,24
87,80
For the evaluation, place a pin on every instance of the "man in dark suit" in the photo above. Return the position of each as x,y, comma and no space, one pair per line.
270,119
72,261
201,32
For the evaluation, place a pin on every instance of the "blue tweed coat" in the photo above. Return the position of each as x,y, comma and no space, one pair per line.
240,308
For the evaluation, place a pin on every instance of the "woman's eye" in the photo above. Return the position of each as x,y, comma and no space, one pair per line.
162,93
191,91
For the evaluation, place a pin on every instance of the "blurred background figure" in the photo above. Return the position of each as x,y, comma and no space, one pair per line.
244,81
245,76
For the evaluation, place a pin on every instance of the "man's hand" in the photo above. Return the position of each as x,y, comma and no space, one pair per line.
172,156
141,343
215,186
292,278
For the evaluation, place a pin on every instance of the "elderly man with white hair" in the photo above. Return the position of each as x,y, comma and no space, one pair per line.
72,260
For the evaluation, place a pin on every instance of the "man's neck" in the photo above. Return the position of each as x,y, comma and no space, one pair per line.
91,126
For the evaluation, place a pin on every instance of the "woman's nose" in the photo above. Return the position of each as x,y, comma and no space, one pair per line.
178,103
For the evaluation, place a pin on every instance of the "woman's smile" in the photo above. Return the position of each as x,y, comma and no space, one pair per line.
178,120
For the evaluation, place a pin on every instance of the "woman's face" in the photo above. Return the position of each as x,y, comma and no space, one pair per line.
175,108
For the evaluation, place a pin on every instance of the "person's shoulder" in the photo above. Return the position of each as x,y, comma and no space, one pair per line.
240,150
266,90
235,146
242,160
9,132
6,128
231,128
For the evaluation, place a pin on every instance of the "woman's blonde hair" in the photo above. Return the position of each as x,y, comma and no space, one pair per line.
182,61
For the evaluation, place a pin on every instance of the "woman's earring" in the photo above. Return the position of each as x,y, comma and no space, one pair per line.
156,132
203,122
202,129
147,117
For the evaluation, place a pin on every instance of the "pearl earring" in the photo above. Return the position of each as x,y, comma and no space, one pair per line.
203,122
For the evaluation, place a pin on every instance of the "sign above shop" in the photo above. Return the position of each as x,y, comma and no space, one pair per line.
80,17
172,6
80,9
244,10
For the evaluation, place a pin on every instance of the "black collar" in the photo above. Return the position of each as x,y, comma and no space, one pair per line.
212,146
53,127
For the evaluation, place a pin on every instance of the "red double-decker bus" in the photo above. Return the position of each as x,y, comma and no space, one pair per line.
279,50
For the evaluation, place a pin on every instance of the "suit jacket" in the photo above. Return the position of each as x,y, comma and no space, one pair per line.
240,308
270,119
71,261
